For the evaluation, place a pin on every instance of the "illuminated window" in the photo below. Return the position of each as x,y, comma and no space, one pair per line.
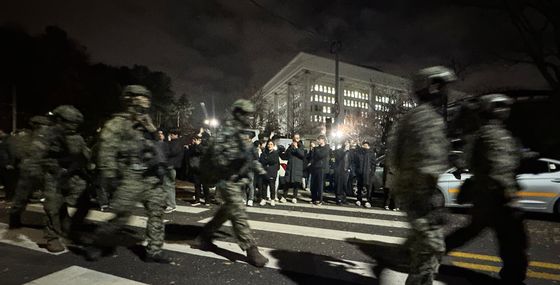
316,98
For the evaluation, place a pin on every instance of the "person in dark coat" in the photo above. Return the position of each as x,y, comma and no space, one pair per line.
319,157
365,169
295,155
270,161
174,152
342,172
200,190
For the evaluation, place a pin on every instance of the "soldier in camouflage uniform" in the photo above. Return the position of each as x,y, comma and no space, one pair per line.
65,159
493,159
418,151
131,167
238,153
31,176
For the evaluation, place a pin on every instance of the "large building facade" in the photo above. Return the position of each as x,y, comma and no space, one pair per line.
303,98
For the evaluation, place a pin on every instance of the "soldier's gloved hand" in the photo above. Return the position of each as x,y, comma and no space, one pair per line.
160,172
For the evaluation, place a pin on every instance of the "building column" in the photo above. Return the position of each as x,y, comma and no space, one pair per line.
307,98
370,99
290,108
276,107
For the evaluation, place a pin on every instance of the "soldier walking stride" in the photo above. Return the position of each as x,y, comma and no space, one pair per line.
493,157
132,167
418,152
234,152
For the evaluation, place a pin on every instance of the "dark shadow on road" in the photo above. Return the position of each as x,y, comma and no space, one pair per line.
309,268
178,232
394,257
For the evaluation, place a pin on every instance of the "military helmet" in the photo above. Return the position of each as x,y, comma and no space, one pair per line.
243,105
495,105
136,90
69,114
39,121
435,74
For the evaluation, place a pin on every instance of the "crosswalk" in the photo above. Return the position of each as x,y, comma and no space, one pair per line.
332,226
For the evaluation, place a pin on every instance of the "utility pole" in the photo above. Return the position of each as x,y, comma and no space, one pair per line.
335,48
213,108
14,109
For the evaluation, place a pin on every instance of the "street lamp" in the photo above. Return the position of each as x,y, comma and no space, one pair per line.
212,122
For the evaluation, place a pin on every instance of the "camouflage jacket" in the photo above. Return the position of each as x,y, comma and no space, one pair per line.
494,157
235,150
127,143
417,151
58,148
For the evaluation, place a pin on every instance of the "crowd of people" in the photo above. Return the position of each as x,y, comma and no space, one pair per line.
132,162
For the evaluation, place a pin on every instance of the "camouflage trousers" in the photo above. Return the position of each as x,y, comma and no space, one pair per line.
425,241
60,192
30,179
136,188
232,209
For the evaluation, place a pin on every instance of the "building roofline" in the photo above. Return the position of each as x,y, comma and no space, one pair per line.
306,61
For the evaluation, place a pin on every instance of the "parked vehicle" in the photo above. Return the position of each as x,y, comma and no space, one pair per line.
539,181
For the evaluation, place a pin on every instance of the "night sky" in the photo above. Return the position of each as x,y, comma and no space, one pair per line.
228,48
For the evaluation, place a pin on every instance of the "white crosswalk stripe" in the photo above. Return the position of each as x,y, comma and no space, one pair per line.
97,216
316,232
80,275
336,214
328,217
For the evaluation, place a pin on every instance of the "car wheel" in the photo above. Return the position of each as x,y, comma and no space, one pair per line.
439,199
557,209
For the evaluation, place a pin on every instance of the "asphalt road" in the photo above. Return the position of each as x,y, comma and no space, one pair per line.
306,244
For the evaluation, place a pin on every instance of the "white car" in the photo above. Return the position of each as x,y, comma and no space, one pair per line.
539,181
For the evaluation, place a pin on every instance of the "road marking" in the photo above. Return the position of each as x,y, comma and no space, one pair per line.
191,209
98,216
79,275
496,269
343,209
24,237
475,256
332,218
183,209
316,232
497,259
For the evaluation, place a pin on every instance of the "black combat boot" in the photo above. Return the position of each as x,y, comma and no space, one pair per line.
205,243
55,245
15,221
255,258
159,257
